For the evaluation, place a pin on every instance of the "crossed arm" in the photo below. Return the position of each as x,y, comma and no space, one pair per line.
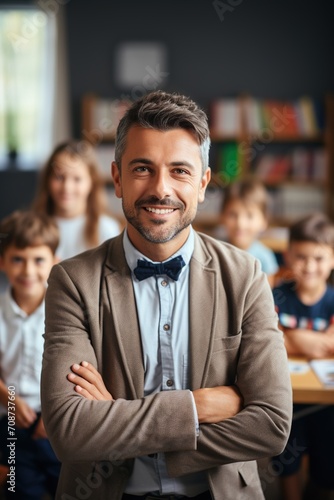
129,425
313,345
212,404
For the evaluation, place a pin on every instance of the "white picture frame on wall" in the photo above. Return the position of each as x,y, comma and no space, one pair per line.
141,66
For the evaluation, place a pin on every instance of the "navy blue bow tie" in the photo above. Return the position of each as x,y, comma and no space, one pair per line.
172,268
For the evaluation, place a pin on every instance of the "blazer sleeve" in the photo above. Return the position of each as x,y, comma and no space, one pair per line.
262,428
83,430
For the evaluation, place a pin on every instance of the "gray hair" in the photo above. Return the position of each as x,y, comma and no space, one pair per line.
163,111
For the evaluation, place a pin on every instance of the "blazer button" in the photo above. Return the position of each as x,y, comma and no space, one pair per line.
170,382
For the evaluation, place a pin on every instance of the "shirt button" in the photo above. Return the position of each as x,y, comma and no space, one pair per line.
170,382
166,327
164,283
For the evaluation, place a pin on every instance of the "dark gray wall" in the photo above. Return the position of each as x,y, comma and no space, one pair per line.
267,48
17,189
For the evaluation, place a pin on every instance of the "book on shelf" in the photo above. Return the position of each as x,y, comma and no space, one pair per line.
273,167
283,119
319,165
251,109
226,117
292,202
280,118
229,162
309,164
307,117
301,164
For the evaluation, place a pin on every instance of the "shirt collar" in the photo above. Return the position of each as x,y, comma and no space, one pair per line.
13,309
132,254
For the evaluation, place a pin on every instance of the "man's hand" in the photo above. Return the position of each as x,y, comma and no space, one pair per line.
88,382
217,403
212,404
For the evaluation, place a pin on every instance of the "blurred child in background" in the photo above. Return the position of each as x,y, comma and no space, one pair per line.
27,253
244,216
305,309
71,190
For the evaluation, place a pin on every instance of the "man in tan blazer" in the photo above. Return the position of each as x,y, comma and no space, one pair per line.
179,378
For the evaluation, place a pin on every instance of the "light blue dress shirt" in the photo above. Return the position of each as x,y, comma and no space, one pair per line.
164,327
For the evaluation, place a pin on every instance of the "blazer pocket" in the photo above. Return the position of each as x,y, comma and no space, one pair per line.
227,343
224,360
246,472
249,479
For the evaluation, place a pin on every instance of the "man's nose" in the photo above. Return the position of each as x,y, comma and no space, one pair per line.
161,185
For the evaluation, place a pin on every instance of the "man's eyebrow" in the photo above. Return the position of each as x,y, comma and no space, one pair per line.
182,163
145,161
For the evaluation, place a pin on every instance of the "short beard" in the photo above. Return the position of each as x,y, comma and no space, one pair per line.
148,233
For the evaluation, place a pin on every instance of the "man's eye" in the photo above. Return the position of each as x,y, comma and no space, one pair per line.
180,171
39,260
141,169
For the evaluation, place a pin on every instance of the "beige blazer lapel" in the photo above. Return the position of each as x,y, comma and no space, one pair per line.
122,305
203,291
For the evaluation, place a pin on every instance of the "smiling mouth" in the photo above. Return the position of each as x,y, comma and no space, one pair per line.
160,211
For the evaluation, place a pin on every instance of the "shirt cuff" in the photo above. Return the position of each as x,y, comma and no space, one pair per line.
195,415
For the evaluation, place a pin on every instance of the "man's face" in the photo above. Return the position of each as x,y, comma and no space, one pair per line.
161,184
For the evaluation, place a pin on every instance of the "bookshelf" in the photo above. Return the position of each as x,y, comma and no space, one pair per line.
289,145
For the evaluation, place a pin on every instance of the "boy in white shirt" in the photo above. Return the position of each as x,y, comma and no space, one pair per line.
27,254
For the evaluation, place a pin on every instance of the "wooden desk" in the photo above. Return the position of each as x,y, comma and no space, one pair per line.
307,388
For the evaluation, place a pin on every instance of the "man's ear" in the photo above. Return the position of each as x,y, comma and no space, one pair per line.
203,185
115,173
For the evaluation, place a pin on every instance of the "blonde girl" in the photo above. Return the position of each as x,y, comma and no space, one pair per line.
71,189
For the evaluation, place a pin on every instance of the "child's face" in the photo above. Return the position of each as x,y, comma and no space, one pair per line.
27,270
311,263
243,223
70,184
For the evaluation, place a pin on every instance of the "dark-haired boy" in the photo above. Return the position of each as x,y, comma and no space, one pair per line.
27,253
305,308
